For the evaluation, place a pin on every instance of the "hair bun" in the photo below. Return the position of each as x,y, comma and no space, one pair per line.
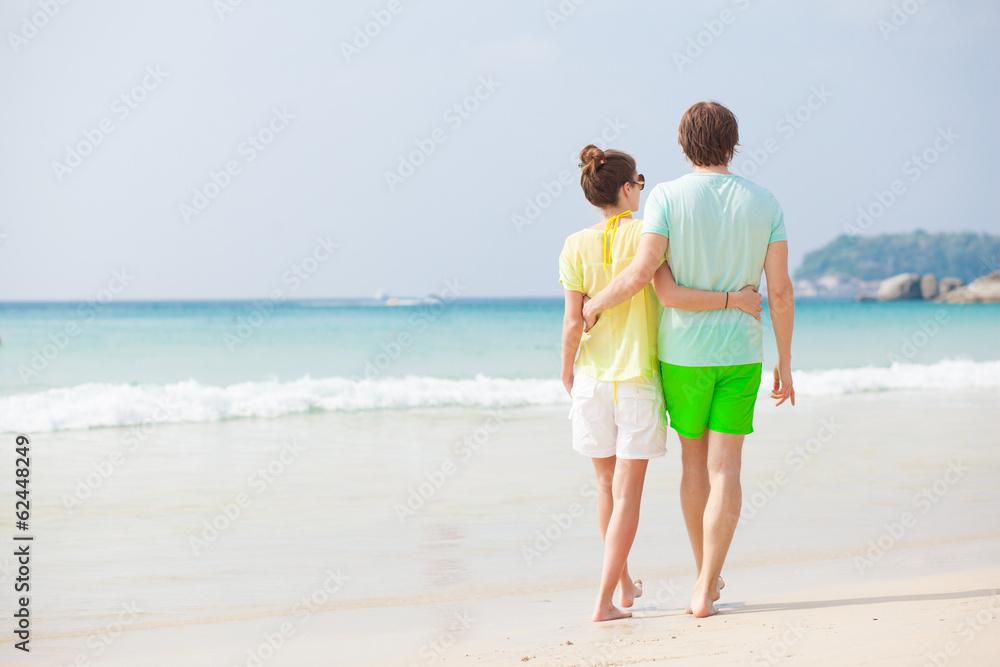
591,158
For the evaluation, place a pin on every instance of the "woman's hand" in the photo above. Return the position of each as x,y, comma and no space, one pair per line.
747,300
567,380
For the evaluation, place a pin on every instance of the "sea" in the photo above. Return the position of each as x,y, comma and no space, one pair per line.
80,366
209,461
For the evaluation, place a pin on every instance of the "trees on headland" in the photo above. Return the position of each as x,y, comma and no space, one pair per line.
964,255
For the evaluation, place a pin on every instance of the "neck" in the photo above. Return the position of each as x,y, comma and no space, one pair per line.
714,169
613,211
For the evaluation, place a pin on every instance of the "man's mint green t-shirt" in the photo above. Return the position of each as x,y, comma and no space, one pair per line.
719,226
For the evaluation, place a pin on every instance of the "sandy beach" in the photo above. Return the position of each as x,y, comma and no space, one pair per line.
856,508
928,605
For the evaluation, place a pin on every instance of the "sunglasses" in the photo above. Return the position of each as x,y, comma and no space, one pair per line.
641,182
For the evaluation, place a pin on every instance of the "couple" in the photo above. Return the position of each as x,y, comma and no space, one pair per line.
699,252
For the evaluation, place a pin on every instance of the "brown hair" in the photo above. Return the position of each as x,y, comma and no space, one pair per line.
603,173
708,134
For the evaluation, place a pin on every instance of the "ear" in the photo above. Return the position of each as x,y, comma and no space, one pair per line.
623,194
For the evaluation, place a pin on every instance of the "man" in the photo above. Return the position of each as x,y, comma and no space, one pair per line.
717,231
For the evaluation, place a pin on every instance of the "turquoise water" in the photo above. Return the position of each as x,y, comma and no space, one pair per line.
172,342
66,366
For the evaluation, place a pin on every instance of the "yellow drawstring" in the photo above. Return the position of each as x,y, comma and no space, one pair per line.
611,226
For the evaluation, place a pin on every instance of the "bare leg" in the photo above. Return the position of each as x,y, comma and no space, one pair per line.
722,512
695,488
627,489
605,471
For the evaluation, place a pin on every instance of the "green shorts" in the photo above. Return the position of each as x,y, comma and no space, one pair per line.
720,398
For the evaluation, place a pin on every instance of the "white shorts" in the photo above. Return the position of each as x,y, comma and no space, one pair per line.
633,427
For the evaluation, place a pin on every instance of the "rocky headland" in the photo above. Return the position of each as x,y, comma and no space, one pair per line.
946,290
945,267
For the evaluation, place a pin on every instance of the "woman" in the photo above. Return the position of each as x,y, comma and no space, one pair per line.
611,372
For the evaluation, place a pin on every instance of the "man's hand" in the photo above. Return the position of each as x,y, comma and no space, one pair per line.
783,389
648,257
567,380
589,318
747,300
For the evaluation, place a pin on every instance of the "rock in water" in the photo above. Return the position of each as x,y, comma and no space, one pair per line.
929,286
983,290
987,288
946,285
903,286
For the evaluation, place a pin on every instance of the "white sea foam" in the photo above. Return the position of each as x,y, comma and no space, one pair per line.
91,405
95,405
943,375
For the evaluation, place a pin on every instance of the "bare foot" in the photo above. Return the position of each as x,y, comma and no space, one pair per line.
609,613
703,601
631,592
718,593
701,607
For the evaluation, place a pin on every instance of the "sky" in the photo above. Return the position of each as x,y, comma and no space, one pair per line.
227,149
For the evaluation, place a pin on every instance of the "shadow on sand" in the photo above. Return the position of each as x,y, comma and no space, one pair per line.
729,608
823,604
